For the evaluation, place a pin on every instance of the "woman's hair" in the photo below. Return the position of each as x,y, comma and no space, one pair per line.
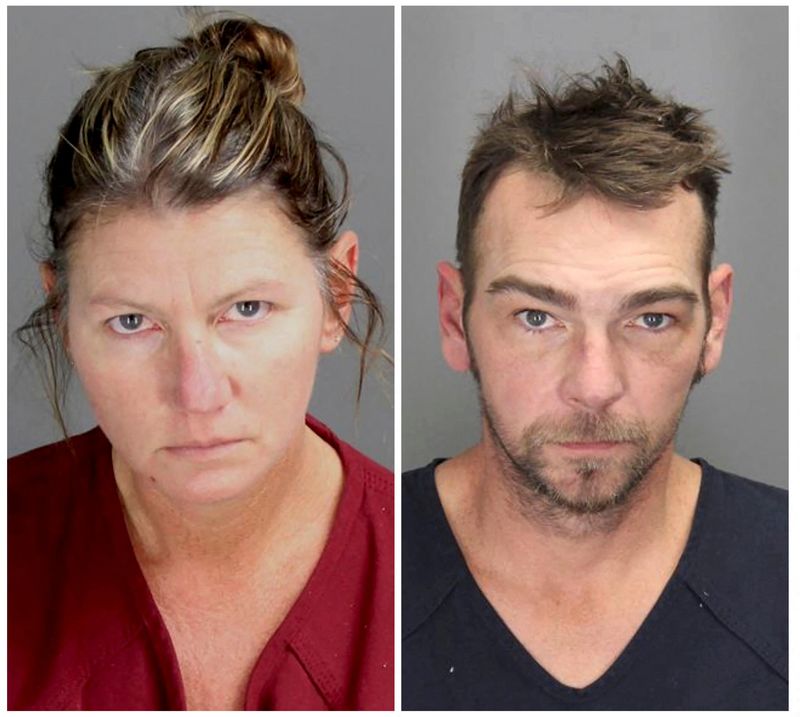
607,134
185,126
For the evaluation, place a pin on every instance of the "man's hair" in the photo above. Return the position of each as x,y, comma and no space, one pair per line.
608,135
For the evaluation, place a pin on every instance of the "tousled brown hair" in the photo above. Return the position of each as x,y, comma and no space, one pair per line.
608,134
185,126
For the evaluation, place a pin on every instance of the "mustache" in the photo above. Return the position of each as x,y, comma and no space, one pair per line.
584,428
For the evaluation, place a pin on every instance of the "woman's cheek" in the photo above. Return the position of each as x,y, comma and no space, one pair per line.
282,360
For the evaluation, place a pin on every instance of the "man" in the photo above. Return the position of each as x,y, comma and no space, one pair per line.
571,559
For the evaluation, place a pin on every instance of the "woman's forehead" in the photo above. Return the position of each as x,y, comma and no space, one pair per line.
230,235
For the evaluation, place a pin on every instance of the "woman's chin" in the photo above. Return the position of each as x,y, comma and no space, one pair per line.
208,486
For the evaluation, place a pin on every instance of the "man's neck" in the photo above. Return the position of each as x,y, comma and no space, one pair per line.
504,541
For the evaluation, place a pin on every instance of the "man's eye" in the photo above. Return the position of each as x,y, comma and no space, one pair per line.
247,310
535,319
654,321
130,324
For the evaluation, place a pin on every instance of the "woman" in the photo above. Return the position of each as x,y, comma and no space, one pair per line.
208,546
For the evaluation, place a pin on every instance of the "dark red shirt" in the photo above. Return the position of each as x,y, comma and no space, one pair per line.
85,632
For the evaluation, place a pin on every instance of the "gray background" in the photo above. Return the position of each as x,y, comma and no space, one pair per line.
458,62
346,58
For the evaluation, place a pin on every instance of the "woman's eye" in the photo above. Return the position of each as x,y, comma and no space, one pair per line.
654,321
130,324
535,319
247,310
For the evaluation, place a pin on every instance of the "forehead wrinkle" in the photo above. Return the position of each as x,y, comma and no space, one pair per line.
120,265
510,212
564,267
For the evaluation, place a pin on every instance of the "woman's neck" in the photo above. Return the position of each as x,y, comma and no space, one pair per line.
237,532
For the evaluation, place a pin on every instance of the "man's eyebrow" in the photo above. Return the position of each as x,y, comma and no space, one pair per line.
543,292
558,297
646,297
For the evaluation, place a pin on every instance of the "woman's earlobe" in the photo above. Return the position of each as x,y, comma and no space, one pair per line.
332,332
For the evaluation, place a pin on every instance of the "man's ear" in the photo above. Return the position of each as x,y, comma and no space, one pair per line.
344,254
451,303
720,294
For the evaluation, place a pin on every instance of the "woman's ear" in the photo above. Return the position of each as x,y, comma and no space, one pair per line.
343,262
47,275
49,279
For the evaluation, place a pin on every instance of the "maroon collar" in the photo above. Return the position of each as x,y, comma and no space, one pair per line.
297,631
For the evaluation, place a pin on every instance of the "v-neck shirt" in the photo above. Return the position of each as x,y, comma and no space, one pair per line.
85,631
716,638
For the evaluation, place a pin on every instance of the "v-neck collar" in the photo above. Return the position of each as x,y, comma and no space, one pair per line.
290,631
526,663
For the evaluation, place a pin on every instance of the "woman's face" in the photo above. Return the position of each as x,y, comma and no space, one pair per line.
196,335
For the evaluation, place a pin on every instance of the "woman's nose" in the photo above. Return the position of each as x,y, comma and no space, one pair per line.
201,384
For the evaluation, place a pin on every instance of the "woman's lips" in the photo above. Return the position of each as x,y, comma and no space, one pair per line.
201,451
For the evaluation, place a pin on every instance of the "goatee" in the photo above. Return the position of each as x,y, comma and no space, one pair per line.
587,492
580,485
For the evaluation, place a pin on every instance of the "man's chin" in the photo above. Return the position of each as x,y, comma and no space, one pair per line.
590,488
588,485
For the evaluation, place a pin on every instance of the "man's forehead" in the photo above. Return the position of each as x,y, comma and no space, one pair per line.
521,222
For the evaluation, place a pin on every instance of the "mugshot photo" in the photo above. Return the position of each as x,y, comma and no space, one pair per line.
595,241
200,274
581,215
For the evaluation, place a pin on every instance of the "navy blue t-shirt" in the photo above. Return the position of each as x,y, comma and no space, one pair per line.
717,637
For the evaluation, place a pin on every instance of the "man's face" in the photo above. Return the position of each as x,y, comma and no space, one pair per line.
585,331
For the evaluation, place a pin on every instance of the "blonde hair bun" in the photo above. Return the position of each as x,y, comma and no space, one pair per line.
260,48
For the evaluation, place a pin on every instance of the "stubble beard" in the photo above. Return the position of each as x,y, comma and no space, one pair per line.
586,494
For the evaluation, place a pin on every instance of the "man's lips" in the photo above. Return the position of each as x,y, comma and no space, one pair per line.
592,445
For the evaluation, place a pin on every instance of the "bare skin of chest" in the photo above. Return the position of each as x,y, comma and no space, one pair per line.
216,656
224,582
573,599
218,637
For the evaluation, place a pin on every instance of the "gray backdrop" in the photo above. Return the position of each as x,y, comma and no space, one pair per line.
458,62
346,58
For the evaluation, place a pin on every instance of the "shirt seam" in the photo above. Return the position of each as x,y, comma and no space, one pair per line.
766,651
295,639
434,605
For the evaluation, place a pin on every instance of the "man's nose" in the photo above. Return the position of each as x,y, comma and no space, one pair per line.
201,384
594,377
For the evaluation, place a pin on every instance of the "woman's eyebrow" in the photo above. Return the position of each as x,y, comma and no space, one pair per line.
249,288
111,300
